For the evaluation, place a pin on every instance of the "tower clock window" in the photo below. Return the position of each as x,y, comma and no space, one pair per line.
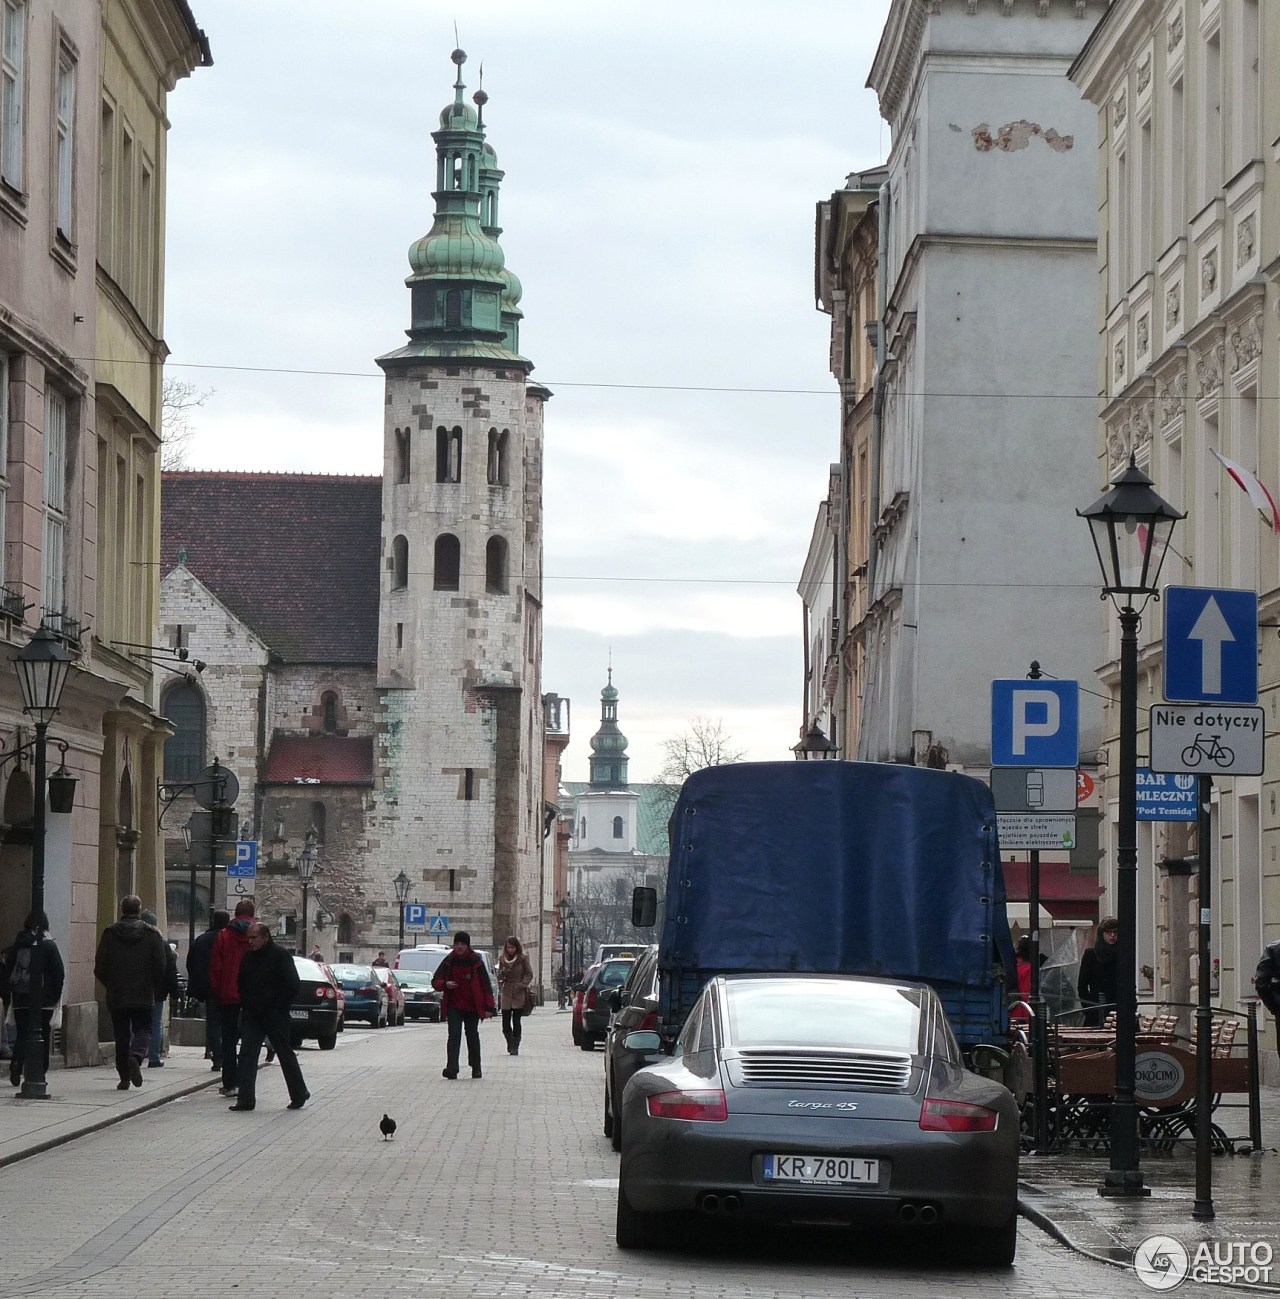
448,455
448,562
399,563
495,566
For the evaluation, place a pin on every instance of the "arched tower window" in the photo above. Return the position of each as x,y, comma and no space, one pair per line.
455,171
399,562
491,208
329,712
617,827
184,750
346,930
498,472
582,828
453,309
318,819
448,562
495,566
471,171
402,455
448,455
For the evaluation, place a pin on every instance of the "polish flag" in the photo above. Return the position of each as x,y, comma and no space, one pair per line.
1262,499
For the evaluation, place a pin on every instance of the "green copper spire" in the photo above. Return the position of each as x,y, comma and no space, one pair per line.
465,303
609,745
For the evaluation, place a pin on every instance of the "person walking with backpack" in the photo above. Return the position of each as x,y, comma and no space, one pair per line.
35,976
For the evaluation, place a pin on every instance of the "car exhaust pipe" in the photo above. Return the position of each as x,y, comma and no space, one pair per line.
710,1204
928,1214
907,1213
732,1204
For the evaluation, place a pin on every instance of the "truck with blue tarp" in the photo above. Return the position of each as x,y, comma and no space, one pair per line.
838,867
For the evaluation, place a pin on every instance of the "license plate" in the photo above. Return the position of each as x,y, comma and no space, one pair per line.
826,1170
299,1014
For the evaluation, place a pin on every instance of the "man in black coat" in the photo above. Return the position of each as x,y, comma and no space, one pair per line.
268,985
1266,981
199,989
131,964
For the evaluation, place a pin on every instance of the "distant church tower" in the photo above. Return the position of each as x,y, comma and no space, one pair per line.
459,785
608,808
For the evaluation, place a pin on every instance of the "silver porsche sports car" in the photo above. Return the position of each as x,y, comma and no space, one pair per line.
827,1099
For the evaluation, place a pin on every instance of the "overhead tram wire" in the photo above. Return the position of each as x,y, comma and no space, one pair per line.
730,389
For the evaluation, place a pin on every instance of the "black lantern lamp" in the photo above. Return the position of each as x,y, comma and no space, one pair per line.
1131,526
402,885
62,785
815,747
43,664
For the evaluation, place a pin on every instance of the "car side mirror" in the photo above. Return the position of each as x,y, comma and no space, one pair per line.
644,907
615,1002
644,1041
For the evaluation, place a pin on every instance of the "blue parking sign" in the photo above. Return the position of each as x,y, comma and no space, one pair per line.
415,915
1035,723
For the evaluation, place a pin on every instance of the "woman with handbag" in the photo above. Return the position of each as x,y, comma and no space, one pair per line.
515,979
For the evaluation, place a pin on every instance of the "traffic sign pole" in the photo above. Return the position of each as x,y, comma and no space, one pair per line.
1203,1207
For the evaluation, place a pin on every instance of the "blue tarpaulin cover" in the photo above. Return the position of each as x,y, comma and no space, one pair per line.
864,868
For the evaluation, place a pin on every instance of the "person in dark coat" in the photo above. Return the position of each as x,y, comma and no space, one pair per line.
1097,982
171,990
268,985
131,964
1266,982
229,948
467,999
199,989
35,975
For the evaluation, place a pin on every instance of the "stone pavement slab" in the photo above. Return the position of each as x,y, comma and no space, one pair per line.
85,1100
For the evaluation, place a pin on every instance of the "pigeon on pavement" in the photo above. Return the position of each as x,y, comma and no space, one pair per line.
387,1127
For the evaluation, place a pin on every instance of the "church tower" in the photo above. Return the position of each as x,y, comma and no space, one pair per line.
459,780
607,810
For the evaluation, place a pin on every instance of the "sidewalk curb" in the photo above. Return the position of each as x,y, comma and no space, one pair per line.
1046,1224
98,1125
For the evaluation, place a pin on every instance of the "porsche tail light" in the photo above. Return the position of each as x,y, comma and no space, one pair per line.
956,1116
701,1106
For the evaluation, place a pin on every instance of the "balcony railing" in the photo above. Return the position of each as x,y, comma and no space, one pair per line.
68,629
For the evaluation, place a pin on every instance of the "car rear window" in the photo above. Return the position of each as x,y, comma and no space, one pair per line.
413,978
614,975
354,973
824,1014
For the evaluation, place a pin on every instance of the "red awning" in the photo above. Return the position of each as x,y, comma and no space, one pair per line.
1063,895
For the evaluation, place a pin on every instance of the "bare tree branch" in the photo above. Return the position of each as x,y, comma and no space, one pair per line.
704,744
179,399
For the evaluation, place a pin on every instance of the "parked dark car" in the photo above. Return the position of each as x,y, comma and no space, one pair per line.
314,1013
635,1007
819,1098
596,993
366,996
395,994
579,1001
421,1000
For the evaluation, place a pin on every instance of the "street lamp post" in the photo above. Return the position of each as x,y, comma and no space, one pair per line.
42,665
306,869
191,891
402,884
1131,526
815,747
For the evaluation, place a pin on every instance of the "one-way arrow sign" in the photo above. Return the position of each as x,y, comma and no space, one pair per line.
1210,645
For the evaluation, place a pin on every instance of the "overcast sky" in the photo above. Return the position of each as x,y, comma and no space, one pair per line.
662,165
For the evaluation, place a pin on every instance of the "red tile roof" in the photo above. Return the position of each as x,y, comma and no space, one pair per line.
294,556
320,759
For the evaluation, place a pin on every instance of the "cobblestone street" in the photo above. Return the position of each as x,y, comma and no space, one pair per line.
499,1186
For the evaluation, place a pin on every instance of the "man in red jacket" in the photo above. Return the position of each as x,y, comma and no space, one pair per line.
467,1000
224,980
